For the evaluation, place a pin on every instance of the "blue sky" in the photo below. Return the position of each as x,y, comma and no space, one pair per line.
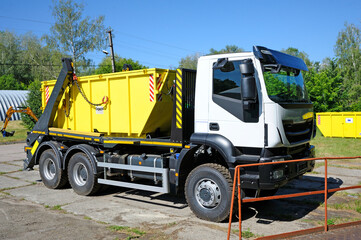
159,33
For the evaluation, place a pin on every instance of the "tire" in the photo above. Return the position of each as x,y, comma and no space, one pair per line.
208,191
51,174
81,176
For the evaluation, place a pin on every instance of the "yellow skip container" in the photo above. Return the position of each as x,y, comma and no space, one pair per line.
339,124
137,103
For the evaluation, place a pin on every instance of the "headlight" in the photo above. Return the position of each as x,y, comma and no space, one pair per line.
278,160
277,174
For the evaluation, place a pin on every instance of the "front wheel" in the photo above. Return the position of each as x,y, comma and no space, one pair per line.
50,172
208,191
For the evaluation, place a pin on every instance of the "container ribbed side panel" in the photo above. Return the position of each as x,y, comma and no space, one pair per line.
15,98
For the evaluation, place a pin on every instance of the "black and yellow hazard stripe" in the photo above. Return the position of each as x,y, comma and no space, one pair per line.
179,98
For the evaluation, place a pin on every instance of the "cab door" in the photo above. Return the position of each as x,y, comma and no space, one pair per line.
229,114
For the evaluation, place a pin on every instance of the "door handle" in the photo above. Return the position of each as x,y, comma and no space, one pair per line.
213,126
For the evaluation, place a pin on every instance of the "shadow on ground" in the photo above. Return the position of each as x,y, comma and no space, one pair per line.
290,209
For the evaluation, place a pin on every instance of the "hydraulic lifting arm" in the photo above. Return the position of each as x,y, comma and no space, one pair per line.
35,138
10,112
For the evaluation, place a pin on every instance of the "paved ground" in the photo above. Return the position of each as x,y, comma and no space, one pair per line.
28,209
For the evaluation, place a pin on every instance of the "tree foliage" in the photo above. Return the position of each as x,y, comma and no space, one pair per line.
324,88
348,52
74,34
34,102
105,65
8,82
227,49
190,61
23,58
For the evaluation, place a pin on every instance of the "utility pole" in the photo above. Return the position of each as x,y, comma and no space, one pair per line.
111,49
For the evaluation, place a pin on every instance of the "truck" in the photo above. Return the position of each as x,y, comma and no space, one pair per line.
178,131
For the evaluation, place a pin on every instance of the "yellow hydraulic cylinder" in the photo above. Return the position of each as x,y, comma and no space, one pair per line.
135,103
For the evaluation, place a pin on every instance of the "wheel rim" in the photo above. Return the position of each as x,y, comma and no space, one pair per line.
49,169
80,174
208,193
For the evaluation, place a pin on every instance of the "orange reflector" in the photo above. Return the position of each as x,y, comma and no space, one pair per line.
62,147
140,163
176,174
101,151
27,148
187,146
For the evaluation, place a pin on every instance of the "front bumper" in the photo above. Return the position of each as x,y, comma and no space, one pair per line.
276,175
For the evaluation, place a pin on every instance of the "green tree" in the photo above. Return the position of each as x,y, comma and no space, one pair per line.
11,58
348,52
45,61
105,65
190,61
24,58
34,102
324,88
74,34
8,82
227,49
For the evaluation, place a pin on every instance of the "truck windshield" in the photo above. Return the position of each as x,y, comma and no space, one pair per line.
287,85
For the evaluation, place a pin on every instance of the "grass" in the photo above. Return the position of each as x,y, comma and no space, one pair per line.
56,207
336,147
172,224
246,234
20,132
351,205
335,220
132,232
331,221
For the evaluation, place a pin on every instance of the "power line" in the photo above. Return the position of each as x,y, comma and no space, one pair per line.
82,65
26,20
122,33
148,52
28,64
156,42
21,29
147,48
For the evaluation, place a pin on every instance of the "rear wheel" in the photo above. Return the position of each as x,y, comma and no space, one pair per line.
50,172
81,176
208,191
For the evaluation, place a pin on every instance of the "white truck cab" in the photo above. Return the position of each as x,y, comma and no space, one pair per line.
256,102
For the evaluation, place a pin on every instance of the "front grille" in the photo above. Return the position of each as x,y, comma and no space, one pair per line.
298,132
297,149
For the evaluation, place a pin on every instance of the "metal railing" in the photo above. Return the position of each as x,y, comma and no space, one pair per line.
326,191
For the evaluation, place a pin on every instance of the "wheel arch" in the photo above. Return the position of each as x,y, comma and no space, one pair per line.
88,150
218,142
187,162
55,146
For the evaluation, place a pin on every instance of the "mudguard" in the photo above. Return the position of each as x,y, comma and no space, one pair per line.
90,151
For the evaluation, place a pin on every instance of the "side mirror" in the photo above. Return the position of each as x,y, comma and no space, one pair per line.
246,67
249,89
221,62
248,83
